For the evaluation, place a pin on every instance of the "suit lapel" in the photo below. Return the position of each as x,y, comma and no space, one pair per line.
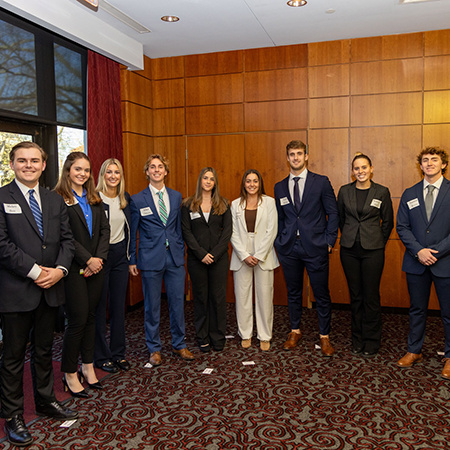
306,189
148,197
242,217
351,200
368,202
259,213
43,193
419,196
16,193
443,191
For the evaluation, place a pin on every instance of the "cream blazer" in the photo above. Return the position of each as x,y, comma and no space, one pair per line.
266,227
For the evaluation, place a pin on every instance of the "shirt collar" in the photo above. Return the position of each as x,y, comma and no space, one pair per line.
24,189
302,175
155,191
437,184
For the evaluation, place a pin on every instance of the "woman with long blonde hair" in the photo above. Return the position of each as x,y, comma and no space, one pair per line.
111,188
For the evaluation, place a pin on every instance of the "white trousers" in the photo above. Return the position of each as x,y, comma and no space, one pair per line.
243,289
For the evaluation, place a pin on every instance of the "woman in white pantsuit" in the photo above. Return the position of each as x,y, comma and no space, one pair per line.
255,223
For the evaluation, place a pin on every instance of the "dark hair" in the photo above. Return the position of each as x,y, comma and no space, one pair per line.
361,156
26,144
219,204
64,185
244,193
434,151
296,144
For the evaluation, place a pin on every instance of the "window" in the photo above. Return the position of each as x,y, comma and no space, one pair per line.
42,84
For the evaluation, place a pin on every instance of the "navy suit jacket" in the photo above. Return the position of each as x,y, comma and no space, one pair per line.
152,232
317,219
416,232
21,246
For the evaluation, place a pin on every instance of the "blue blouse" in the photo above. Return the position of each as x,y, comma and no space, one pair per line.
86,208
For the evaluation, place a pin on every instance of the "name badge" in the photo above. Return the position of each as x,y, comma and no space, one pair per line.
414,203
195,215
12,208
376,203
146,211
284,201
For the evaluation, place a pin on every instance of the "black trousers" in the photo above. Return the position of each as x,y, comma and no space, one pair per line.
363,269
38,327
113,296
209,286
82,297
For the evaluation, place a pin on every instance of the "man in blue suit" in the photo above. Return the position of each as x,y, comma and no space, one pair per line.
307,231
156,215
423,224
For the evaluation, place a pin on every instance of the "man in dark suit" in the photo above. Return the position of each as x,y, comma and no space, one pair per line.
307,231
156,215
423,224
36,250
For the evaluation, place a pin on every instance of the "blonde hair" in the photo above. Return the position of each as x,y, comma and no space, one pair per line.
101,184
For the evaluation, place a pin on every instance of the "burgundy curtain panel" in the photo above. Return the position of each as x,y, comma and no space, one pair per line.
104,114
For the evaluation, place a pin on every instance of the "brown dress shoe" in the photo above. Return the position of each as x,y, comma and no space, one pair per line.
409,359
155,359
184,353
325,346
446,372
246,343
265,346
292,340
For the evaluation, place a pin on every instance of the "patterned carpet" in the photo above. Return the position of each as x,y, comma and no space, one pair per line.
286,400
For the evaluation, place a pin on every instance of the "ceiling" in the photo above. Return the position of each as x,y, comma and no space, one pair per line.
219,25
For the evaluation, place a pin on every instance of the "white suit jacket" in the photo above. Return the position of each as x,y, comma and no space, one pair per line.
266,227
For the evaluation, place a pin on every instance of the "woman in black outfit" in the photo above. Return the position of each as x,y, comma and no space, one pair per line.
207,227
111,188
84,283
366,221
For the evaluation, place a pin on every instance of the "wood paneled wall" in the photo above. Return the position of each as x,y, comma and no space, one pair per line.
386,96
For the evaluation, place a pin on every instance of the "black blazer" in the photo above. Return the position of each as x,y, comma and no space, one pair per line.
21,246
204,237
85,245
377,219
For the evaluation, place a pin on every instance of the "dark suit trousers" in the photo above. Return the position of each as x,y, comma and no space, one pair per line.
209,286
82,297
113,295
419,287
38,326
317,267
363,269
173,277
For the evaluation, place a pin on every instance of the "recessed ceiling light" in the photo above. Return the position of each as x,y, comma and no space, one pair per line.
170,18
297,2
330,11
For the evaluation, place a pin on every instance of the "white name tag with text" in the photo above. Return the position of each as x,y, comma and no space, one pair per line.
146,211
284,201
12,208
195,215
414,203
376,203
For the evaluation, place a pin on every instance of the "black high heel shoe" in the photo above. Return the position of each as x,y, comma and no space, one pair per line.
96,385
81,394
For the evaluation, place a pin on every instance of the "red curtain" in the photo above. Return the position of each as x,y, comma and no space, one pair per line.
104,114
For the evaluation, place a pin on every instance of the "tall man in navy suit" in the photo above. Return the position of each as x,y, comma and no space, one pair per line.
307,231
36,249
156,215
423,224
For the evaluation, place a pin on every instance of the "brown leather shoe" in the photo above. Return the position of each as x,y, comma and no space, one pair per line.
184,353
446,372
246,343
325,346
409,359
155,359
265,345
292,340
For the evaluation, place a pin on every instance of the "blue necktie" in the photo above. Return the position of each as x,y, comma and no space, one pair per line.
36,212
